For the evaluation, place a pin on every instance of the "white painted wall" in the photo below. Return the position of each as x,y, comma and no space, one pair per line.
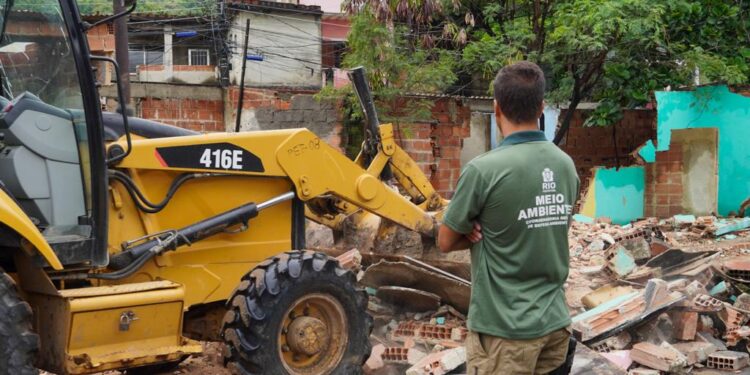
289,43
198,77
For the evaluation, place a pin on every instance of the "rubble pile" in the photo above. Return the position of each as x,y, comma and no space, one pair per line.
651,297
661,296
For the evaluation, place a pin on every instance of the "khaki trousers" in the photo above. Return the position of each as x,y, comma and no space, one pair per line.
491,355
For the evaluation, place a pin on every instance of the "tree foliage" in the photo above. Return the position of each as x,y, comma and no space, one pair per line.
396,65
614,52
175,7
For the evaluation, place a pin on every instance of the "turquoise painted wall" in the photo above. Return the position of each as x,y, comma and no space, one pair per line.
713,107
619,193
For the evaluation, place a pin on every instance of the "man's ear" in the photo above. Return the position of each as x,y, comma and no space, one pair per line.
498,111
541,108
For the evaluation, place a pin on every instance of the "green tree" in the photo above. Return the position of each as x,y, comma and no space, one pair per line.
174,7
613,52
395,67
616,52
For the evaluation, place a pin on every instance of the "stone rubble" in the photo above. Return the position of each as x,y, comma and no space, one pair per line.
668,295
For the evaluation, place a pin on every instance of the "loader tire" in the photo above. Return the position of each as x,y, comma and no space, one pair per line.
297,313
19,345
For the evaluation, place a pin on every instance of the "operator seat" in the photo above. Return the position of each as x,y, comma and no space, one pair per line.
40,162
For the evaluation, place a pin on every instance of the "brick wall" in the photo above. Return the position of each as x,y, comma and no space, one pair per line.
595,146
436,145
663,196
200,115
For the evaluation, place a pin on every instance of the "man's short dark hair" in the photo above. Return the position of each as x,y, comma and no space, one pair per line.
519,90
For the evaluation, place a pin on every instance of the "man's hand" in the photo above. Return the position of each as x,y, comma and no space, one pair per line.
450,240
476,233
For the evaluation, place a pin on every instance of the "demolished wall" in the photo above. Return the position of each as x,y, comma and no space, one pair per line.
608,146
436,145
711,107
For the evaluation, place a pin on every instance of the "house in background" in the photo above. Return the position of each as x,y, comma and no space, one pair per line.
168,49
284,39
334,30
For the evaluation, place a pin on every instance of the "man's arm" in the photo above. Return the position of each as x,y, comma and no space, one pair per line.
450,240
460,228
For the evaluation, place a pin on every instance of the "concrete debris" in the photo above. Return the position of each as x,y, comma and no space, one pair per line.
439,363
620,261
604,294
621,358
695,351
624,311
743,302
450,290
375,362
669,293
640,298
589,362
408,299
660,357
617,342
643,371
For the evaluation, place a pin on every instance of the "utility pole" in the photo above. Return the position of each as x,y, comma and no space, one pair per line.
121,50
242,79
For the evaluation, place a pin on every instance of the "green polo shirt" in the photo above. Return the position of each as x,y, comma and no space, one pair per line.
523,194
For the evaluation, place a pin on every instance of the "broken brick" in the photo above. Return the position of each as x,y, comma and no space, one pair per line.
375,361
685,325
727,360
695,351
706,303
621,358
663,358
350,260
397,354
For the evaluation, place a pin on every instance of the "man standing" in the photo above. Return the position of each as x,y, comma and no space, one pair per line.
512,207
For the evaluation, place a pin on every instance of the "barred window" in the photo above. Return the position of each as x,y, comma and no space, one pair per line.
198,57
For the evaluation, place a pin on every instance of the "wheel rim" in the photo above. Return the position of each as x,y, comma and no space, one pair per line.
312,336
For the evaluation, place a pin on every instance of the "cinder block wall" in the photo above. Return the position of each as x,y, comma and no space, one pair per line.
266,109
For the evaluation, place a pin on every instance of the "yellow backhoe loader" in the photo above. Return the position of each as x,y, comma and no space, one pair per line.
124,241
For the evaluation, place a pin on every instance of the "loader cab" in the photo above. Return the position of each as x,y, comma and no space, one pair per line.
51,145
